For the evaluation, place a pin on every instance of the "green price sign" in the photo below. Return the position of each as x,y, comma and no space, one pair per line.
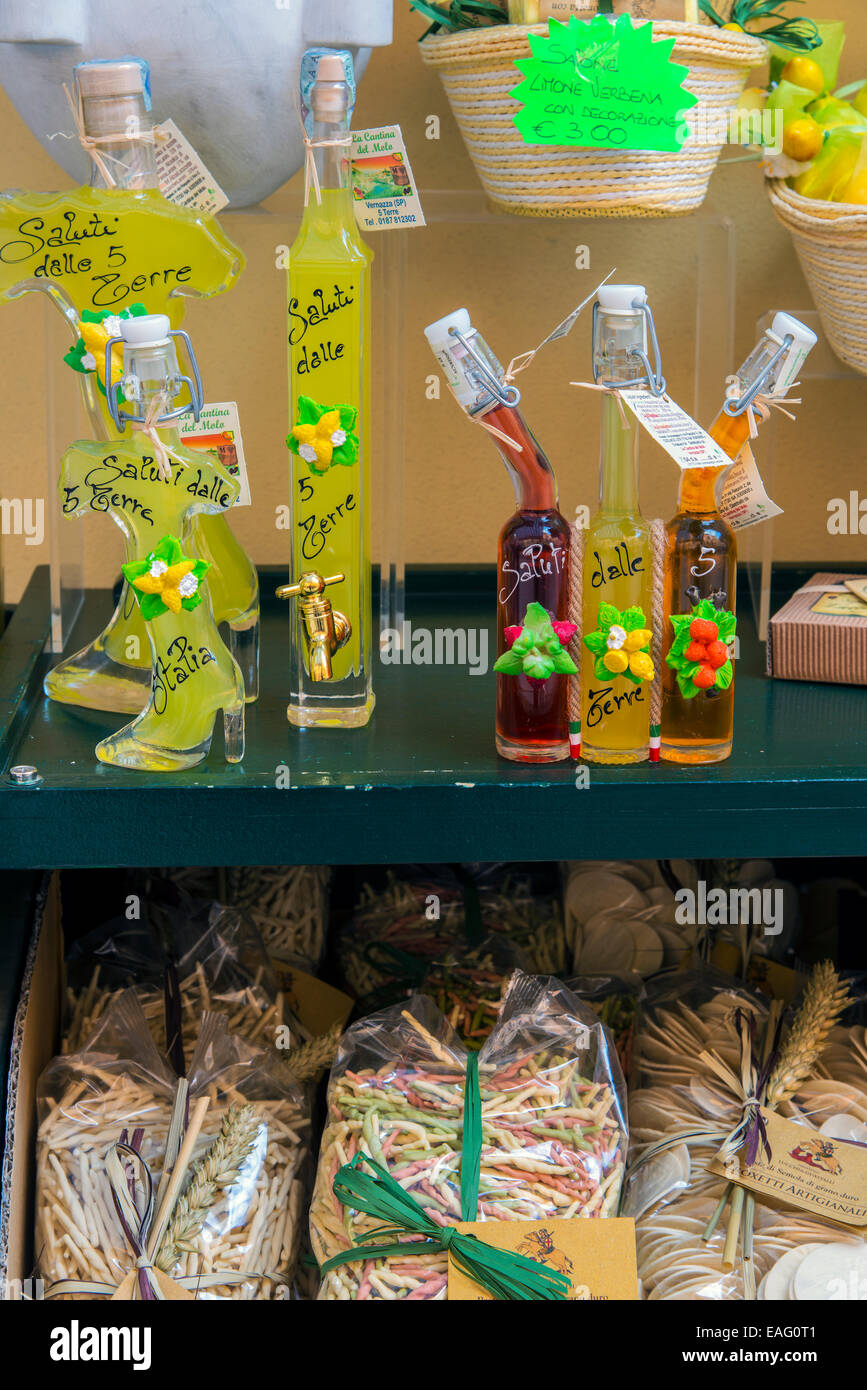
601,84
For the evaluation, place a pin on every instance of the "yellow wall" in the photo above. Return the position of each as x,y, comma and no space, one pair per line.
518,278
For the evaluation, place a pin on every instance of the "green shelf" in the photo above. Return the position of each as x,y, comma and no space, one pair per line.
422,782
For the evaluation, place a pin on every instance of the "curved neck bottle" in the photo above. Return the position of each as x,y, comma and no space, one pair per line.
526,463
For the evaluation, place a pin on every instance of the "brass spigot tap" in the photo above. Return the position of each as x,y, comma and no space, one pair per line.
325,629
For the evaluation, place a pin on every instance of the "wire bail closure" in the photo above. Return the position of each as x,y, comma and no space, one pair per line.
737,405
139,416
506,395
652,378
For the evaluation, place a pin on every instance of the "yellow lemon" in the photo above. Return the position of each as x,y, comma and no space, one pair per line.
804,72
641,665
802,139
638,639
615,662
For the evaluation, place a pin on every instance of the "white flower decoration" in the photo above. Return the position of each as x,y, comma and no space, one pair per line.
188,585
616,637
780,166
338,438
307,452
88,362
112,326
157,568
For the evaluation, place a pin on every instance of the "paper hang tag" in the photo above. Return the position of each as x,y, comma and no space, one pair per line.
597,1256
218,427
316,1005
183,177
743,500
807,1170
383,188
679,435
858,587
569,322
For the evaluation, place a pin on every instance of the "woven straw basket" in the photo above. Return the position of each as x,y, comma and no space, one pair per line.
831,242
478,72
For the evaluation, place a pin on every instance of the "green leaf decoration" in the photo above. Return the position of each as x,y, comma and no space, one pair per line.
564,665
595,642
631,619
316,446
537,651
584,82
685,668
607,616
538,665
511,663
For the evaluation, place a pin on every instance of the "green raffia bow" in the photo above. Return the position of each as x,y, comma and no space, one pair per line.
502,1273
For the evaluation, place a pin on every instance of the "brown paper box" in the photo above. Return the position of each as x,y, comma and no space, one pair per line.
806,643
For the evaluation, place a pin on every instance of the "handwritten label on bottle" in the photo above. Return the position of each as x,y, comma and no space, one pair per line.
134,485
536,562
604,703
624,566
181,661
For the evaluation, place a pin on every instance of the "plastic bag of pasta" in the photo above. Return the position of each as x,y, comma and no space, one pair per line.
186,957
707,1046
142,1177
552,1129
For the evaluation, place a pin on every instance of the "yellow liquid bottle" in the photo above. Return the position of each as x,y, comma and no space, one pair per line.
98,250
618,564
700,584
329,395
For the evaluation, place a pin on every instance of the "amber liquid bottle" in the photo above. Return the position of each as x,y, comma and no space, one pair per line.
701,551
533,551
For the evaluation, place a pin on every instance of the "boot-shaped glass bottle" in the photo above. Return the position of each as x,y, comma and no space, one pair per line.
194,675
120,243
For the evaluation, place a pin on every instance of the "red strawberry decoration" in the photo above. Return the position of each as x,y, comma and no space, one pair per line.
704,677
696,651
565,631
717,654
511,634
703,630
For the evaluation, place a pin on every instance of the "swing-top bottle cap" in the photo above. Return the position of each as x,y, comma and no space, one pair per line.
148,330
462,371
803,341
620,299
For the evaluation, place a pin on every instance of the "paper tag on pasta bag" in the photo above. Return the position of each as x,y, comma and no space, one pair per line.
316,1004
743,500
808,1170
384,191
680,436
598,1257
219,428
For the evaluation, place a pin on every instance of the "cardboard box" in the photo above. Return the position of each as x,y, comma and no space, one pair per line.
34,1043
820,634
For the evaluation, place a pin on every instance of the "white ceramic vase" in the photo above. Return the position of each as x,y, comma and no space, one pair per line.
224,70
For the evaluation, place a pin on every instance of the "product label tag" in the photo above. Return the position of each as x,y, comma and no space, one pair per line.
183,177
597,1256
316,1004
680,436
858,587
219,428
834,605
743,500
383,187
807,1170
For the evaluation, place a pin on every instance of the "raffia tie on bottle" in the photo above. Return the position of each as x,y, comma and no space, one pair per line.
91,143
311,177
163,453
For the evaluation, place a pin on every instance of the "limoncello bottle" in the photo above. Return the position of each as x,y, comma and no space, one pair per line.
97,251
700,584
329,394
616,667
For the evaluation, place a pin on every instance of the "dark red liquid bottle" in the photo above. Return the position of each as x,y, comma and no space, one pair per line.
533,552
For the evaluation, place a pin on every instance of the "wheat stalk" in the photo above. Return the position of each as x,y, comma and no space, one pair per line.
306,1062
216,1169
825,998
